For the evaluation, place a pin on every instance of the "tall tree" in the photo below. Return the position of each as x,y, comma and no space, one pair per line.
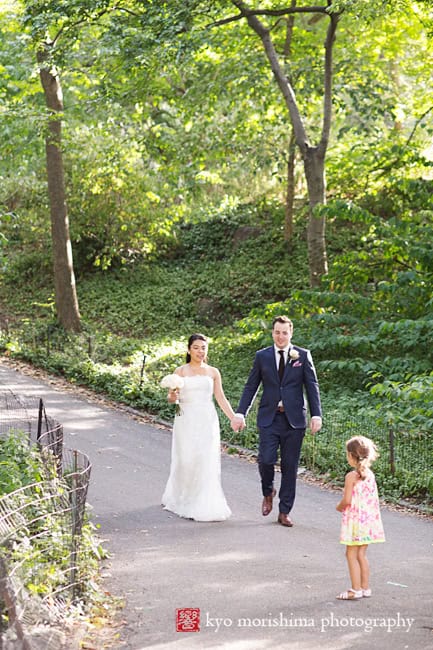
64,278
165,118
49,22
313,155
40,25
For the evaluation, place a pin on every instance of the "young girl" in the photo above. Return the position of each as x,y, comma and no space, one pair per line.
361,523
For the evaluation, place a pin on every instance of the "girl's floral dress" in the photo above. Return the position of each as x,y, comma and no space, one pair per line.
361,522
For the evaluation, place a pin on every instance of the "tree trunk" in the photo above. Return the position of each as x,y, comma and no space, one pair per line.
290,191
313,157
314,165
64,280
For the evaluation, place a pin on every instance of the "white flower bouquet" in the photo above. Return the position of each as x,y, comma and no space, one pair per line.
173,382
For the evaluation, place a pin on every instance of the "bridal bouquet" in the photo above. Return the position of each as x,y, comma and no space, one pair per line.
173,382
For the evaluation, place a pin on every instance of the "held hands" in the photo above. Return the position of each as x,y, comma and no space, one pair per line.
237,423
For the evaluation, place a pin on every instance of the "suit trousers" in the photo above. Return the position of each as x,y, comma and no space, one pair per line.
280,435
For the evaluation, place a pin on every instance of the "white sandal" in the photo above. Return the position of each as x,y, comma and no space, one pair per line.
350,594
366,593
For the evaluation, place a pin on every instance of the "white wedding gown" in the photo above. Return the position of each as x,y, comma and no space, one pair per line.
194,487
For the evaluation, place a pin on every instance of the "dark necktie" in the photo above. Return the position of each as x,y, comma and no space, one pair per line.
281,365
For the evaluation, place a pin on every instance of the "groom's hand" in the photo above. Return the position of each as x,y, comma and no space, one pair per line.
315,424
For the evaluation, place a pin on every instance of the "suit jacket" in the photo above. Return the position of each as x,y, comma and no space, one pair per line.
298,386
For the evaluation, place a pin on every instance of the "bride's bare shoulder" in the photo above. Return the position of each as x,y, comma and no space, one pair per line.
213,372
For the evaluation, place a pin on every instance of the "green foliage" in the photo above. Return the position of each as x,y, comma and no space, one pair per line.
372,350
165,114
393,266
405,450
20,463
170,128
38,542
186,284
173,133
409,403
42,547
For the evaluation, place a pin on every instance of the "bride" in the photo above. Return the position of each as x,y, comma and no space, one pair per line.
193,488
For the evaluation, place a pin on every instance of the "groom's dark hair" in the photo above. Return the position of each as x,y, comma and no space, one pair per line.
282,319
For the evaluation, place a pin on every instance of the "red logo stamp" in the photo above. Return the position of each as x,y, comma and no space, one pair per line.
188,619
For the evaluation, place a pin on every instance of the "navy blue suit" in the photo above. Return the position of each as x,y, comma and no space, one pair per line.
284,431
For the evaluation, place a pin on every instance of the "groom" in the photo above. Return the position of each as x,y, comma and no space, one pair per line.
284,370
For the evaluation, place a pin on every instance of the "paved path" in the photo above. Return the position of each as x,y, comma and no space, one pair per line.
257,585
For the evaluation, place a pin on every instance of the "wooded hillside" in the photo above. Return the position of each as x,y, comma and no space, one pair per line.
169,167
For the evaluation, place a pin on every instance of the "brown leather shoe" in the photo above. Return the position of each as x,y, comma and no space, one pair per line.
267,503
284,520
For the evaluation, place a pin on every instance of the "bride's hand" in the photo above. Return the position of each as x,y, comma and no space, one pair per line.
237,423
173,395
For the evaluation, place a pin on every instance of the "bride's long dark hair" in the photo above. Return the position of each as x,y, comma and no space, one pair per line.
192,338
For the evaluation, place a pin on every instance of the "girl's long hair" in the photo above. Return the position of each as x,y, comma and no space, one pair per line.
364,451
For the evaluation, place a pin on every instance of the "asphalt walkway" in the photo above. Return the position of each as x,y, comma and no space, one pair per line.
247,583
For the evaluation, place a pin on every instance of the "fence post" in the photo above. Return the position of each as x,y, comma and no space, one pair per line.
74,487
41,405
391,451
142,371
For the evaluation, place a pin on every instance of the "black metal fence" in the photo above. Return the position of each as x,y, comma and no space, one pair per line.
405,463
404,468
41,528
